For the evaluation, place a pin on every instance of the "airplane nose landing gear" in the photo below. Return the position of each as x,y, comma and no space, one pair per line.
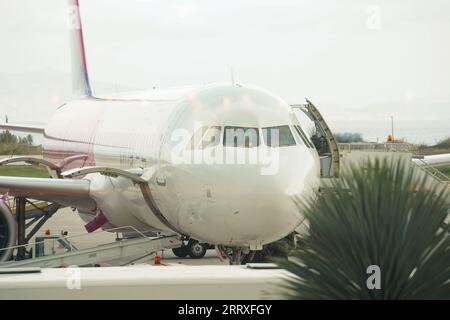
238,255
279,249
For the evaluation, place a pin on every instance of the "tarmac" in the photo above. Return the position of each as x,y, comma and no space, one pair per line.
67,220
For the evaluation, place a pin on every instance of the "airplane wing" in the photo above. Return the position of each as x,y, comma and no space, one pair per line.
434,160
67,192
23,128
437,159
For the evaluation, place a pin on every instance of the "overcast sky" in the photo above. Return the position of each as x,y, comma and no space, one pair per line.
343,53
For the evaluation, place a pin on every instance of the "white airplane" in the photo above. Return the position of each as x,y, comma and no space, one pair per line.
219,163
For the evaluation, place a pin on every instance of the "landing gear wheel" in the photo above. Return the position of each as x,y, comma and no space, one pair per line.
180,252
196,250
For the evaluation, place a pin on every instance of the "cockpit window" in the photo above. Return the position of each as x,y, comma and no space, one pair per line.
280,136
205,137
197,137
241,137
212,137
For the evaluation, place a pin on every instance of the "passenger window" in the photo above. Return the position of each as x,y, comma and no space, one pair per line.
241,137
280,136
212,137
303,136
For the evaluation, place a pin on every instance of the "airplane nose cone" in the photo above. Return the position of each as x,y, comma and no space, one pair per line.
242,206
264,209
268,217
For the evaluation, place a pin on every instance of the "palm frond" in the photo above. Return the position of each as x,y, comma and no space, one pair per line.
384,214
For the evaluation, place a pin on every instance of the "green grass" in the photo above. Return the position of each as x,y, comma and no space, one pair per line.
19,149
31,171
444,169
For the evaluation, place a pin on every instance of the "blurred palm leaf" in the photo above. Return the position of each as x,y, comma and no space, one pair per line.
385,214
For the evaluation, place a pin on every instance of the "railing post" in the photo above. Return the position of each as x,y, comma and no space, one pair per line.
20,216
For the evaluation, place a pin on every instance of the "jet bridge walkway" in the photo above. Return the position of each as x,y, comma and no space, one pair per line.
134,249
433,171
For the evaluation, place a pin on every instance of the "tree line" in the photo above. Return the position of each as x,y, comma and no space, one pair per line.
7,137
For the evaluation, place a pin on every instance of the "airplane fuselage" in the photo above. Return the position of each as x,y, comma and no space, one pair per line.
222,192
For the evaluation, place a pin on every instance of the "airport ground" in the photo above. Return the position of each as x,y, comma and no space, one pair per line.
67,220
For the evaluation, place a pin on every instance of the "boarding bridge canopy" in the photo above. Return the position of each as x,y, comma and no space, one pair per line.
323,139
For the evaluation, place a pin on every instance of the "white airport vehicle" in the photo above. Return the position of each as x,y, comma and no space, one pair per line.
218,163
174,282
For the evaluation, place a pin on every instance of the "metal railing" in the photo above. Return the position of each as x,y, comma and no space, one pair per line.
78,236
432,171
380,147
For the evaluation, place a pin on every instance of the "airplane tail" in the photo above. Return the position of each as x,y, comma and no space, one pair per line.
80,77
